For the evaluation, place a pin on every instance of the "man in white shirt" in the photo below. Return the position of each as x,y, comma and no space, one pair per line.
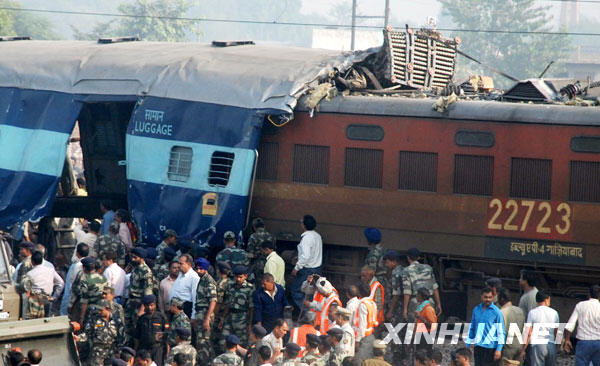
42,249
165,287
275,264
88,238
275,339
186,284
349,339
115,275
310,252
587,317
81,251
353,301
41,280
543,349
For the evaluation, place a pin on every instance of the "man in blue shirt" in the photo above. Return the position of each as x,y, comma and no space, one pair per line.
108,215
269,302
487,331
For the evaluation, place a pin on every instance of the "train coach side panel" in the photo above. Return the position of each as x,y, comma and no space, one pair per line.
524,211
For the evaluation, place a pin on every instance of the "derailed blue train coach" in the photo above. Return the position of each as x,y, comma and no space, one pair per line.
168,130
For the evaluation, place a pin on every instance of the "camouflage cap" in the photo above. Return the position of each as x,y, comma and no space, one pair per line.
177,302
229,235
104,304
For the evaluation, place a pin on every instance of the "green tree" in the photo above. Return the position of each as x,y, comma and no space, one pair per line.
14,22
153,23
520,55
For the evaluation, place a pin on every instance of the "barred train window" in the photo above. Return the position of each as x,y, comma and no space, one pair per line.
310,164
364,168
473,174
220,168
268,155
585,181
180,163
418,171
531,178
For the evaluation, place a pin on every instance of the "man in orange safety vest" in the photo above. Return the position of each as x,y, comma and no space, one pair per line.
376,291
365,322
298,334
322,300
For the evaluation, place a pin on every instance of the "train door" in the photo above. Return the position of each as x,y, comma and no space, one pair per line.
99,159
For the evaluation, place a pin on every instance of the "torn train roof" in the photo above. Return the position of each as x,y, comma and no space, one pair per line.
259,76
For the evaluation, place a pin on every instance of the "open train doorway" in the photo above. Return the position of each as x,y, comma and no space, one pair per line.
99,159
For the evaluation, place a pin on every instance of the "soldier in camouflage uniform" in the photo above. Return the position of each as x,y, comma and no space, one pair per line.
161,271
25,251
312,349
111,242
255,254
178,320
415,276
223,273
141,283
90,290
238,305
230,357
393,314
98,338
337,354
169,241
232,255
183,346
374,258
203,314
151,254
290,355
117,314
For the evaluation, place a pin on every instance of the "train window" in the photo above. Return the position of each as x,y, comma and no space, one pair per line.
531,178
220,168
364,168
418,171
586,144
311,164
365,132
584,186
180,163
473,174
268,156
474,138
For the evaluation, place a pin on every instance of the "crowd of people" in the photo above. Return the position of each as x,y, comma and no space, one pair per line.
134,304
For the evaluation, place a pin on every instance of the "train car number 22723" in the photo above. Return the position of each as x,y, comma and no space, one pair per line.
529,219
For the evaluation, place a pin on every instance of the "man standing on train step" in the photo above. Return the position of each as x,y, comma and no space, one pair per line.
255,253
310,251
415,276
376,253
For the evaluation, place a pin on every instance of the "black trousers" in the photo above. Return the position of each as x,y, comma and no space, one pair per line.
187,308
485,357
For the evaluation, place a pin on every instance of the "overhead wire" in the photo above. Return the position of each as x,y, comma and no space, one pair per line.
260,22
